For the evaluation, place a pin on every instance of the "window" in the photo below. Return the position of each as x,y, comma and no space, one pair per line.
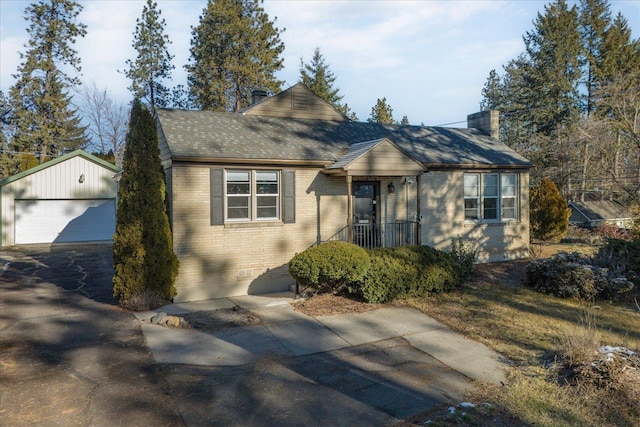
252,195
472,197
490,197
238,194
267,194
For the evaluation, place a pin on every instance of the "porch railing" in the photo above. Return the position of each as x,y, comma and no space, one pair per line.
384,235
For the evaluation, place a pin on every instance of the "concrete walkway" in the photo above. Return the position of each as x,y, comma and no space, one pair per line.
288,333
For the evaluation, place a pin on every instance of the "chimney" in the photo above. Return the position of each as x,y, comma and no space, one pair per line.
258,95
487,122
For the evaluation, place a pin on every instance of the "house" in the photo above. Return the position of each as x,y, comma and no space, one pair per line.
592,213
247,191
69,199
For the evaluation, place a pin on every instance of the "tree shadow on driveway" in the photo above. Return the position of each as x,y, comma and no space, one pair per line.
70,356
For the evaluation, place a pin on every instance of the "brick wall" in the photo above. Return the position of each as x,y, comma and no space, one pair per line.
251,258
443,199
247,258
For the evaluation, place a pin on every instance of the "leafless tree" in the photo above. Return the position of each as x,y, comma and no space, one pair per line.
106,120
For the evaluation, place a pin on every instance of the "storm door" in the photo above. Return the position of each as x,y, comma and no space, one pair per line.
365,224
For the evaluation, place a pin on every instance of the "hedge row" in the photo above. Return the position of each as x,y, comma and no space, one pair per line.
380,275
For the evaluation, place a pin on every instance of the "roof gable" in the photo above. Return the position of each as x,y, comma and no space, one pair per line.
45,165
296,102
377,157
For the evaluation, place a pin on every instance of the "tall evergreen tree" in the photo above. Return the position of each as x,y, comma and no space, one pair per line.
153,62
621,53
45,121
5,120
546,93
553,71
492,92
381,113
143,255
595,18
319,79
234,49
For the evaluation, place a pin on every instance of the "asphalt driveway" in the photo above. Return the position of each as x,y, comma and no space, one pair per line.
70,356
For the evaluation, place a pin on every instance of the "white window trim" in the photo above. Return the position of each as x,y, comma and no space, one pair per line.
480,198
253,197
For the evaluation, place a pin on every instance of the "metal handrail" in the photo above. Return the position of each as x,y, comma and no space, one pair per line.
382,235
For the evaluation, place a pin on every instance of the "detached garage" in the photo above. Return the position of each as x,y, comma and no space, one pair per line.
69,199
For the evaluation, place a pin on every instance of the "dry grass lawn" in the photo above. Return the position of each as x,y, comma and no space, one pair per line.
530,329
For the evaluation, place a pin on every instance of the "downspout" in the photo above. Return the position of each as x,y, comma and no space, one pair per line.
418,212
349,211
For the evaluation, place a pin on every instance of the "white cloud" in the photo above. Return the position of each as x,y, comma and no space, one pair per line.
430,59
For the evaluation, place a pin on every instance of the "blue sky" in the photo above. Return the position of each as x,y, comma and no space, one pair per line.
430,59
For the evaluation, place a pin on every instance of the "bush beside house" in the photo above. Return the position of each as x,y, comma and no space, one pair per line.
144,263
379,275
330,267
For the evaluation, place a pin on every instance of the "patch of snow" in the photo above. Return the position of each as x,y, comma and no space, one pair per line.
467,405
608,349
452,410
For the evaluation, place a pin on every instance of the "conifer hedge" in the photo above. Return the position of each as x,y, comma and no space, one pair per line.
142,244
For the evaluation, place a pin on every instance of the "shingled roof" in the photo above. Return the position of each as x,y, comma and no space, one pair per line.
193,135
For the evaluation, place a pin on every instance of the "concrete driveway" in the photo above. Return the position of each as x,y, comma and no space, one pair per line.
70,356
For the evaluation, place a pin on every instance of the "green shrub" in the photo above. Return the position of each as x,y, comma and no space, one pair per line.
387,278
330,266
571,275
549,214
464,254
143,257
409,271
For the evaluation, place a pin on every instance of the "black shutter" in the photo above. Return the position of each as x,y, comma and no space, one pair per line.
216,186
289,197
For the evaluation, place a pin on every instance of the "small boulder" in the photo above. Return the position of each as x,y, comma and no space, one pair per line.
172,321
159,319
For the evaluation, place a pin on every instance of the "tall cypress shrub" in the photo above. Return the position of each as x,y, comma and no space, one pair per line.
549,214
142,244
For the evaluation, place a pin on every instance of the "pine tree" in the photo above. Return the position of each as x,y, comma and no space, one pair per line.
404,121
381,112
595,18
319,79
620,53
553,71
153,63
234,49
45,121
143,255
492,92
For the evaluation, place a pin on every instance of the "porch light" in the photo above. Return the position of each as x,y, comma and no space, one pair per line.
81,179
391,188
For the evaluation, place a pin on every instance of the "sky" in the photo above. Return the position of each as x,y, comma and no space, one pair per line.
428,58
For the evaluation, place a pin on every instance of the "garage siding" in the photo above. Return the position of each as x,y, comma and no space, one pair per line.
60,181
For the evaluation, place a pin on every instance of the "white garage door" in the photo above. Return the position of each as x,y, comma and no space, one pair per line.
53,221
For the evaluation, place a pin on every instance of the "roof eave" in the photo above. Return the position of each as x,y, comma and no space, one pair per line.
245,161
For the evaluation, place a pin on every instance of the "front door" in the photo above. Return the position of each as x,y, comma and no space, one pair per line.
365,196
